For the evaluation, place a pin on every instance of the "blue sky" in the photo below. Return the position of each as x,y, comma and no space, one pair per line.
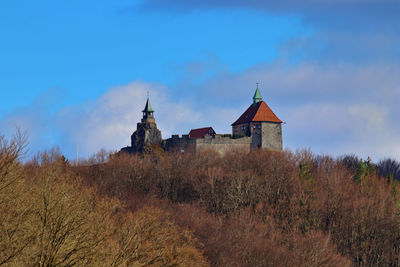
77,72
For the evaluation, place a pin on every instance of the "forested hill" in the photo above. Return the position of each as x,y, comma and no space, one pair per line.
257,209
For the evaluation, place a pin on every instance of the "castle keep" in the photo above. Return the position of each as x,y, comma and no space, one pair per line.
257,128
146,133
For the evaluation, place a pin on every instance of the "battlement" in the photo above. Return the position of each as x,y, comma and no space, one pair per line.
179,144
220,143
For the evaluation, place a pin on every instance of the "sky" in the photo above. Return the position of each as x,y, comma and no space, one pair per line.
76,73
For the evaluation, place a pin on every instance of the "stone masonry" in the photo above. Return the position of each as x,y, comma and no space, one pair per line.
146,133
257,128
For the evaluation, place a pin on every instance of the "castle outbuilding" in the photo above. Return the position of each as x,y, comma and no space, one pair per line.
202,132
257,128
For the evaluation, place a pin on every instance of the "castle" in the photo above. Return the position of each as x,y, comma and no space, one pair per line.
257,128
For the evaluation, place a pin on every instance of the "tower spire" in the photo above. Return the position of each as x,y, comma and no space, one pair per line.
148,107
257,96
148,112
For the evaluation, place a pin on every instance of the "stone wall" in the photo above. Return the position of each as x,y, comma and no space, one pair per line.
266,135
218,143
271,136
241,129
177,144
223,144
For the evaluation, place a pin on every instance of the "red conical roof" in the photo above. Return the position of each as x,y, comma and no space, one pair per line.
257,112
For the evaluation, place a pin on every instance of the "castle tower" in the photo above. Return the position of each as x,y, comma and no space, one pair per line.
261,123
148,113
146,133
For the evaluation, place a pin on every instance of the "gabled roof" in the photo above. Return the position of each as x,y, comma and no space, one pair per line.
201,132
257,112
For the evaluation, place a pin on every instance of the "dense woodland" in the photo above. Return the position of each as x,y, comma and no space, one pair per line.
243,209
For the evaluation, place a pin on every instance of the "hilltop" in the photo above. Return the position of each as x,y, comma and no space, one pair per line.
260,208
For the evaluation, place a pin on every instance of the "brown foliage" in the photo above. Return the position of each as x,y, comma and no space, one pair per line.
264,208
49,218
245,240
149,237
243,209
14,230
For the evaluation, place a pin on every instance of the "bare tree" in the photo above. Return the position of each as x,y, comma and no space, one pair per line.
14,234
389,167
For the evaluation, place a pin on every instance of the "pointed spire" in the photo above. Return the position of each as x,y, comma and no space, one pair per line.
257,96
148,108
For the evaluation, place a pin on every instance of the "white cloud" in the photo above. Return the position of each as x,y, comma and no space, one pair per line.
109,121
106,122
332,109
35,121
363,129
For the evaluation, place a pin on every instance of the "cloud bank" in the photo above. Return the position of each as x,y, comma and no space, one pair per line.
339,109
330,108
109,121
348,30
338,88
105,123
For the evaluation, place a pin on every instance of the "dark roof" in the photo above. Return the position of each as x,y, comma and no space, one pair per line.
201,132
148,108
256,113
